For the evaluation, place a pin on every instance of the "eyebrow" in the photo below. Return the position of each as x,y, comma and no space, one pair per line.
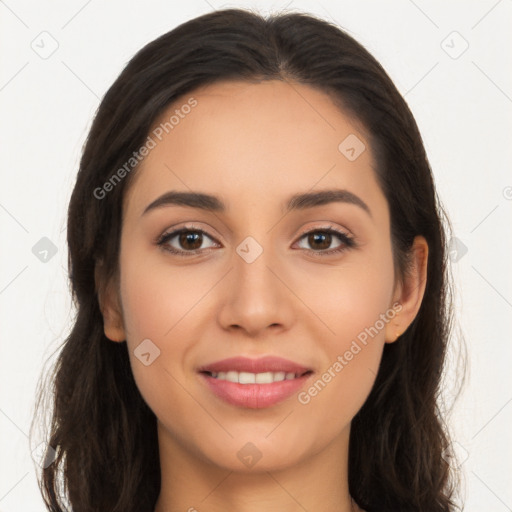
300,201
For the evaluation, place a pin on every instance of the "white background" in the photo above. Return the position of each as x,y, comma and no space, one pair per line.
463,107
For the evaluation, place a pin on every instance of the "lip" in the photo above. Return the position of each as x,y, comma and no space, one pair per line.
255,396
261,365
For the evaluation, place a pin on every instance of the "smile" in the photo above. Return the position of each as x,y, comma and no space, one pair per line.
254,378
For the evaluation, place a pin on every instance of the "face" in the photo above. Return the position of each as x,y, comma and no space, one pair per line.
256,275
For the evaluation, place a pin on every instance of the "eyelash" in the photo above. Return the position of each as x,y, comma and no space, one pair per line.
347,242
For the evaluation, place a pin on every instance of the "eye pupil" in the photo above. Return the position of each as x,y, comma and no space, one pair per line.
190,237
320,237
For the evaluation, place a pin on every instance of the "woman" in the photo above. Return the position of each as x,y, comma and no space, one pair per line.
259,266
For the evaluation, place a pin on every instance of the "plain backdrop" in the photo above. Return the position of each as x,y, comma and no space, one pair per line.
451,61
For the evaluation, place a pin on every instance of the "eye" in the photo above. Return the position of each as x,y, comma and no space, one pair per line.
185,241
321,241
189,240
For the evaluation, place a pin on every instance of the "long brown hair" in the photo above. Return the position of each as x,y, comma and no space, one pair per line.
103,432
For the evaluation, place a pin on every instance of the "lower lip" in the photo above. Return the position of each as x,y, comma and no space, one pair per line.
254,396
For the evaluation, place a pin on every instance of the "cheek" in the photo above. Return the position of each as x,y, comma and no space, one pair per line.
352,297
162,304
152,304
355,308
158,298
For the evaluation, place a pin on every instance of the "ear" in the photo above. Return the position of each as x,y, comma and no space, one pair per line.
110,305
409,291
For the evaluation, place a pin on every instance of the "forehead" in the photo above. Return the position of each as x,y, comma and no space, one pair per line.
249,141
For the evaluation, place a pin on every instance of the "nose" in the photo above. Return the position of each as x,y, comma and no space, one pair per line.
255,296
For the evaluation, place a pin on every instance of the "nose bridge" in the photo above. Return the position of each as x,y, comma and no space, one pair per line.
256,297
252,262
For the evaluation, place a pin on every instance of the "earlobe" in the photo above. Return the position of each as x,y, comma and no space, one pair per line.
410,291
113,324
110,307
394,328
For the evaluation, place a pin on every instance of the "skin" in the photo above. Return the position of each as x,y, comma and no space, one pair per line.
253,146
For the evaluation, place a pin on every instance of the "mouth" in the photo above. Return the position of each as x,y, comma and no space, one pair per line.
254,383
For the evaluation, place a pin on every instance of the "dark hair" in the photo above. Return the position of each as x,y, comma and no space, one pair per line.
104,433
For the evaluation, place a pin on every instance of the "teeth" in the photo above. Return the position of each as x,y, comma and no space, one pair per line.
253,378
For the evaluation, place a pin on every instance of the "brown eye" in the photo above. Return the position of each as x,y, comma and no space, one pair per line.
190,240
320,241
185,240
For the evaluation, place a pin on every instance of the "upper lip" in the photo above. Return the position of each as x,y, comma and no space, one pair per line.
260,365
